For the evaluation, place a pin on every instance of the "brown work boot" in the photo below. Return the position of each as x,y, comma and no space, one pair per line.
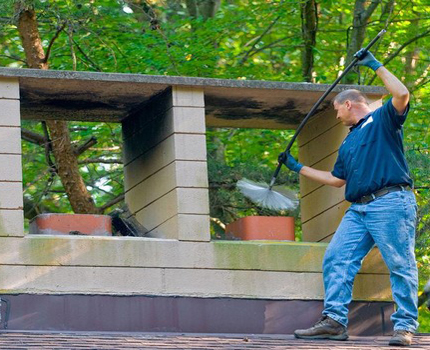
401,338
325,328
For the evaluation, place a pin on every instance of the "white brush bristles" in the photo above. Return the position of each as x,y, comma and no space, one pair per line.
260,194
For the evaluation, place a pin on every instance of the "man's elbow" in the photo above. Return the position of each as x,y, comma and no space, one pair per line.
403,96
338,182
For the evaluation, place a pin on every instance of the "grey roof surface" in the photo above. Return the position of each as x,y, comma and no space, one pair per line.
93,96
94,340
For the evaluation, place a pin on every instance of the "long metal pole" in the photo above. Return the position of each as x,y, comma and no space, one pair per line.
320,100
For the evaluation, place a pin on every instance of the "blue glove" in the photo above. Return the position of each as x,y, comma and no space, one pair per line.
367,59
292,164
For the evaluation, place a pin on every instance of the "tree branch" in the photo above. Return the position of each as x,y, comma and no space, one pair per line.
410,41
86,57
100,160
372,7
48,50
33,137
245,57
272,45
41,140
15,58
397,52
82,148
111,202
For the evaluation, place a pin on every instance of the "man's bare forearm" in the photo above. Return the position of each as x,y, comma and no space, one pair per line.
324,177
396,88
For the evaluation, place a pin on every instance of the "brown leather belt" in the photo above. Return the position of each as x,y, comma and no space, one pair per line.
382,192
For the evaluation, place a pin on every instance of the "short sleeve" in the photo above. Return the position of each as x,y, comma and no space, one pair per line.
339,169
390,115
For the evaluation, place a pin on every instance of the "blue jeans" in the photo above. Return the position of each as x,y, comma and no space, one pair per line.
389,222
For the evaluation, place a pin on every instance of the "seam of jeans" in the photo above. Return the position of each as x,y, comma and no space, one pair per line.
407,210
349,265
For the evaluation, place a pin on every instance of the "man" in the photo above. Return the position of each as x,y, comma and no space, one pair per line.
371,163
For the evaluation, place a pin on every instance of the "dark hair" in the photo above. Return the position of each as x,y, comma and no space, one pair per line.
351,95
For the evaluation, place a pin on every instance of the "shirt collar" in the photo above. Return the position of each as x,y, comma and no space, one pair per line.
361,121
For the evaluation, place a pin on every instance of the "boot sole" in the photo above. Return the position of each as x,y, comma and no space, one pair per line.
398,343
323,336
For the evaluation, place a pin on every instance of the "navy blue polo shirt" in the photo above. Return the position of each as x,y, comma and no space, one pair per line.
371,156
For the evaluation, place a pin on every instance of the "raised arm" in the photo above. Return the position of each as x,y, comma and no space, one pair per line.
396,88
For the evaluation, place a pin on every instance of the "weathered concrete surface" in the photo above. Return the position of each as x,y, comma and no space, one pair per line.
9,87
11,200
165,253
111,97
9,113
110,265
11,222
166,180
181,282
10,167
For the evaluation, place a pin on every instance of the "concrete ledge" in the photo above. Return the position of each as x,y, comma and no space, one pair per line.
165,253
181,282
174,80
108,265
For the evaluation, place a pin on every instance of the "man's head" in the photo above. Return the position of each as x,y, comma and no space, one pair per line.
351,105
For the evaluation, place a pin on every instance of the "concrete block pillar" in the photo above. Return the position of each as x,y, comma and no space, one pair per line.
322,207
165,170
11,200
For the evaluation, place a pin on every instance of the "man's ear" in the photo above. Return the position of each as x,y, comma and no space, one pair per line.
348,104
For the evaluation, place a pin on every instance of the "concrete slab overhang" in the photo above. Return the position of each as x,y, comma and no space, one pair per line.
111,97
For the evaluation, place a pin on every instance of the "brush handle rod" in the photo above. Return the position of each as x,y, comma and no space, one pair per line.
320,100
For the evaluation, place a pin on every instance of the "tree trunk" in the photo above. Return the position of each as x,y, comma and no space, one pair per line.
411,57
68,169
30,37
208,8
309,16
66,161
192,8
358,33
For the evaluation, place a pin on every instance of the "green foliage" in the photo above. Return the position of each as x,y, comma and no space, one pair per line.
250,154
